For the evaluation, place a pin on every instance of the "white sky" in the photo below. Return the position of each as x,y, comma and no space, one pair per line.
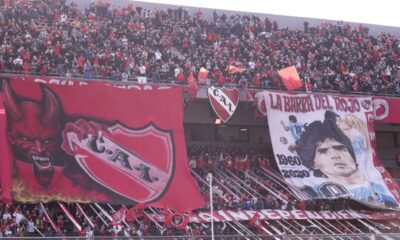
381,12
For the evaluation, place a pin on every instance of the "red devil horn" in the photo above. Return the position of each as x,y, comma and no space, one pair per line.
9,102
51,107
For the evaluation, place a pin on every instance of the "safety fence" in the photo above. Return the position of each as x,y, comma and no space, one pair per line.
366,236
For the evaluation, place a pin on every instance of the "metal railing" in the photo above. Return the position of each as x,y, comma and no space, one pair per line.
133,80
366,236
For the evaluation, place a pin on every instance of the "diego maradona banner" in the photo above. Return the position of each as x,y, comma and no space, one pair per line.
324,146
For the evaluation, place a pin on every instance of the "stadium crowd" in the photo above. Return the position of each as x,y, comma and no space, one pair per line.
234,192
123,43
249,194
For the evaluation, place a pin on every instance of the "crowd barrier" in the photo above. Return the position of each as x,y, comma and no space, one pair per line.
366,236
134,81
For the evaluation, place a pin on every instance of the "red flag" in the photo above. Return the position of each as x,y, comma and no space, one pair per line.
290,78
308,87
118,217
5,155
135,212
151,163
203,73
249,94
255,220
233,70
261,109
193,88
176,220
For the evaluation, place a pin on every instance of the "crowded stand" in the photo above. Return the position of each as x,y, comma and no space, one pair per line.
251,186
131,43
29,220
123,43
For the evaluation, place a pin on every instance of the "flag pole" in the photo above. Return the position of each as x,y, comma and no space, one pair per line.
209,178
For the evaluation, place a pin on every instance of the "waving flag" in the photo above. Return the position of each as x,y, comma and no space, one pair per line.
233,70
309,87
135,212
193,85
290,78
191,91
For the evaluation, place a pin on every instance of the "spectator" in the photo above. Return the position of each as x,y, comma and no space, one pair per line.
6,216
104,43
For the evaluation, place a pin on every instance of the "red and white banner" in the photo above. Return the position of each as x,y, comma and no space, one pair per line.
386,110
324,146
176,220
224,101
271,214
77,141
5,152
256,220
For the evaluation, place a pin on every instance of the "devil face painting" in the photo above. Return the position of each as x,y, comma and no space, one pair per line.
44,172
79,141
34,132
70,155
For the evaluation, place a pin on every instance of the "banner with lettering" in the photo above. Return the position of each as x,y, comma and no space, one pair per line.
79,141
385,109
324,146
224,101
273,214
